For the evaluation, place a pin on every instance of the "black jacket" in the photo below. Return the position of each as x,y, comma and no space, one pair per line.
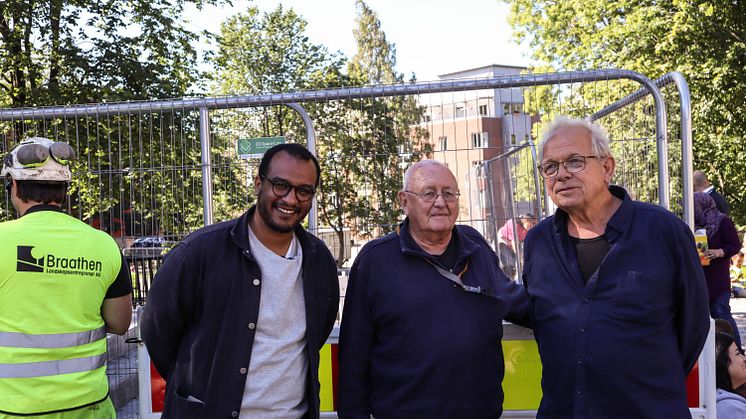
196,320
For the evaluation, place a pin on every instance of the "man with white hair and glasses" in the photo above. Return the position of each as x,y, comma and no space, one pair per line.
616,290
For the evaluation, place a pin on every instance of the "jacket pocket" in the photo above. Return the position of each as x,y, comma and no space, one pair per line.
185,406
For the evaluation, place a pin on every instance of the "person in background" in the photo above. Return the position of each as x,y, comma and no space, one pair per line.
422,321
702,184
63,286
722,244
508,246
238,312
738,275
616,290
730,374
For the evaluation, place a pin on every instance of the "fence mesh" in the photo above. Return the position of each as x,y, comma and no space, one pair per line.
139,175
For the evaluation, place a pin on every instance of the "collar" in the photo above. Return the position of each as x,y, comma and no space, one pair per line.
708,189
44,207
465,247
616,225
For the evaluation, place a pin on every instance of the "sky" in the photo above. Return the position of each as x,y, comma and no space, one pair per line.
432,37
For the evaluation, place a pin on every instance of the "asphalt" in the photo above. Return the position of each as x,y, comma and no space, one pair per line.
738,309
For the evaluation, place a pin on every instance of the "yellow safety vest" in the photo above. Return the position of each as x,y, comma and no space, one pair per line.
54,274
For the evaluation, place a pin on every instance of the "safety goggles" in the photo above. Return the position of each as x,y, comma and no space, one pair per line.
34,155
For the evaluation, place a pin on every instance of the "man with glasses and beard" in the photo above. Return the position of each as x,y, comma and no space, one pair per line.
617,294
423,313
239,310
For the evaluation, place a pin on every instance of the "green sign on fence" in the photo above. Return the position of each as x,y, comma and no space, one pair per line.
251,148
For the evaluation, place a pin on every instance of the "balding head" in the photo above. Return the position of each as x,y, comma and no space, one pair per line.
699,181
422,167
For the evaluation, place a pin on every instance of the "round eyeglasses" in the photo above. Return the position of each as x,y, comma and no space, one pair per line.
281,188
574,164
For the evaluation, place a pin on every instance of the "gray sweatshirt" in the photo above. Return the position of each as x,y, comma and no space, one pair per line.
730,405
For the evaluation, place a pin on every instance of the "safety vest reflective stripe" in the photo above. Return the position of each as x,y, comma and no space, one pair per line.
60,340
47,368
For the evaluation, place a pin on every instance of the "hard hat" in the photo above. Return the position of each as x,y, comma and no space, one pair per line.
30,160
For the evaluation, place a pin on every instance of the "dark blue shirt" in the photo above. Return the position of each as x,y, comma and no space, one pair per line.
621,344
415,345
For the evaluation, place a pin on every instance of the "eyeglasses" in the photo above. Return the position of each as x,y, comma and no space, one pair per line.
35,155
431,196
281,188
574,164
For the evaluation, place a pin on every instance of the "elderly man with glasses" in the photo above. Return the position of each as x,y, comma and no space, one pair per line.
422,321
616,290
239,310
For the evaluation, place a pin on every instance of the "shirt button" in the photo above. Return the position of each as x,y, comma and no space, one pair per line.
581,330
587,299
252,326
234,414
580,361
579,393
257,282
243,370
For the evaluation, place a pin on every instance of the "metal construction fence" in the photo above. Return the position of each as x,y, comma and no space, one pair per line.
149,173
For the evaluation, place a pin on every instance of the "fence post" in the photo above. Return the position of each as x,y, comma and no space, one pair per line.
204,140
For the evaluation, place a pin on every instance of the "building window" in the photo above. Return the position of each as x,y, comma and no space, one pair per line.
513,139
525,138
443,143
479,140
506,108
460,112
483,110
517,107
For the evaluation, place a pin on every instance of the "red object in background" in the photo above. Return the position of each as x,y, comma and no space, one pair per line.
692,386
157,390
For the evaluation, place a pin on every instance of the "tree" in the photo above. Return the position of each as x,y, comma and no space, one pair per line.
358,141
704,40
387,136
62,51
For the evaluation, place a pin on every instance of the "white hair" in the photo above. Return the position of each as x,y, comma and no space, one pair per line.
418,166
599,137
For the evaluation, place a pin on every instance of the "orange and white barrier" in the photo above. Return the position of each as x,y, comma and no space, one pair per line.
521,385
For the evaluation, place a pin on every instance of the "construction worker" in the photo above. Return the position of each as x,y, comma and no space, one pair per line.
63,285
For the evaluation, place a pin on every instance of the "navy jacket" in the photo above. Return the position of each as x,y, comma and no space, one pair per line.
196,320
620,345
413,344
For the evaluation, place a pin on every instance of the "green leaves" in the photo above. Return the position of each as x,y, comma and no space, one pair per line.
704,40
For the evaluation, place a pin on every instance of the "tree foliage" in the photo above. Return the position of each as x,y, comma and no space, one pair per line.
358,141
62,51
704,40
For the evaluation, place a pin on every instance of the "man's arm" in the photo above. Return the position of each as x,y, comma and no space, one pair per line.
117,314
116,309
170,306
692,307
355,340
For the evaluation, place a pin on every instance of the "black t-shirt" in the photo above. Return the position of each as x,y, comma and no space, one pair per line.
122,285
590,253
448,258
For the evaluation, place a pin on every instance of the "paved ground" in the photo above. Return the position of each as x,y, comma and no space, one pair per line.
738,308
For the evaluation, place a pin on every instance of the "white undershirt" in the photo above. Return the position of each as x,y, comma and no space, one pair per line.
277,376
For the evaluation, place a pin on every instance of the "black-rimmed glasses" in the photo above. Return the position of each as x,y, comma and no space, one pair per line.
281,188
431,196
574,164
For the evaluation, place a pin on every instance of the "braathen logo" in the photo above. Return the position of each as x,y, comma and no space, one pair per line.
26,262
52,264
